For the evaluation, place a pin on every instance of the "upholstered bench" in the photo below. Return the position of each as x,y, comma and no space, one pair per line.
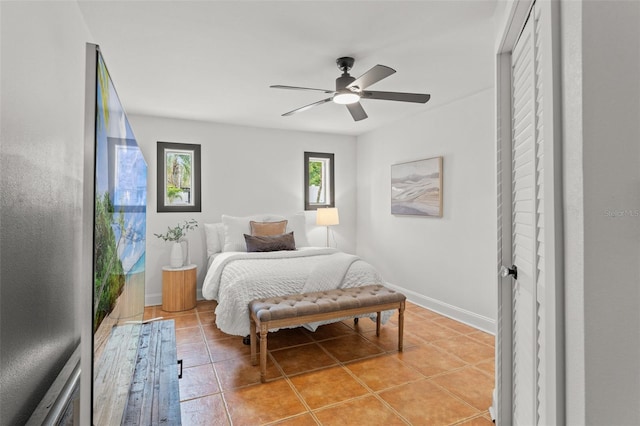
297,309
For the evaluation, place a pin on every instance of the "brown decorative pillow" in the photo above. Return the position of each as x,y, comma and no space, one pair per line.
262,229
257,243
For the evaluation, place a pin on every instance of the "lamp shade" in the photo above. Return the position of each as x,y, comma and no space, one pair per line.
327,216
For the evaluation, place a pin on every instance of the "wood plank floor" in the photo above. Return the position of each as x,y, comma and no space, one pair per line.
340,375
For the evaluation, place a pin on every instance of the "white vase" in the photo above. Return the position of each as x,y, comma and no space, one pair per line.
176,260
186,259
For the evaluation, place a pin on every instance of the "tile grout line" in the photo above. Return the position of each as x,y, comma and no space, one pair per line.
312,369
215,371
429,378
482,371
339,363
459,399
344,366
375,394
447,352
378,397
443,373
295,391
218,382
477,416
357,379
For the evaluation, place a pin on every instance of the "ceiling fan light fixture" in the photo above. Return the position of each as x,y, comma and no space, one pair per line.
346,98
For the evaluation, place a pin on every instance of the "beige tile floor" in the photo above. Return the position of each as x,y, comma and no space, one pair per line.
340,375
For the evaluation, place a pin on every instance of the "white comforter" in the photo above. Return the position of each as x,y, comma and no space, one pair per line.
236,278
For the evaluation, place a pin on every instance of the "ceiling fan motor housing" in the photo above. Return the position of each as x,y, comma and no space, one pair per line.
343,81
344,64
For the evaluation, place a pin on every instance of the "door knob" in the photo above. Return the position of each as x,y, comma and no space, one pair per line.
505,272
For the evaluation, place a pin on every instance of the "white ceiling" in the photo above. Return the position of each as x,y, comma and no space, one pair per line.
215,60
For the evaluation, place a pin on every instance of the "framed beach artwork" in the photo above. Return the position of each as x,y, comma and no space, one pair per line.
178,177
416,188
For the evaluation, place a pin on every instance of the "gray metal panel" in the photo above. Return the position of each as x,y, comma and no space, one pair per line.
40,199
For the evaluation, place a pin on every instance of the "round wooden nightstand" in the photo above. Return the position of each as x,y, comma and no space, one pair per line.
179,288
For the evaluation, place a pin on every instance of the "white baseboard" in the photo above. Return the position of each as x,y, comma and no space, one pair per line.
154,299
467,317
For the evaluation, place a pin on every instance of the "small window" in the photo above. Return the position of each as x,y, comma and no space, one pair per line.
318,180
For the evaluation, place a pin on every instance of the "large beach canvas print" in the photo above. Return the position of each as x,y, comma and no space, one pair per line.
119,243
416,188
120,211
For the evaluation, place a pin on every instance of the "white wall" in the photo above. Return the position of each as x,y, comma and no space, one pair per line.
601,65
42,111
448,263
245,171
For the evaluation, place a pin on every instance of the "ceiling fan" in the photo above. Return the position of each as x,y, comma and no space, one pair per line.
350,90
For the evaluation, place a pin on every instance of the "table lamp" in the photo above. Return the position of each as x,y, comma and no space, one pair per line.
327,216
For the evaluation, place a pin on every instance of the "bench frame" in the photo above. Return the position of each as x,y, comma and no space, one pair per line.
262,327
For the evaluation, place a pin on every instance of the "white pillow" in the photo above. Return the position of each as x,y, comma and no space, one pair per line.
214,234
236,227
298,224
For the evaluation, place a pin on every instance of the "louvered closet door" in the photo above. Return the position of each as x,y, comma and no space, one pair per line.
527,239
530,346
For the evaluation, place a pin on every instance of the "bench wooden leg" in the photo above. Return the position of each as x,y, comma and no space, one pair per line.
263,352
378,318
400,325
252,336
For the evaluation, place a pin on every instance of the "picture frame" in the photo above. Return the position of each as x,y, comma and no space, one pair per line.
319,180
416,188
179,181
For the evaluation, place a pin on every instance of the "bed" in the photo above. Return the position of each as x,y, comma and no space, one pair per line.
236,276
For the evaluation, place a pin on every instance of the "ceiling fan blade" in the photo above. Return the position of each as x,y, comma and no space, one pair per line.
372,76
306,107
277,86
397,96
357,112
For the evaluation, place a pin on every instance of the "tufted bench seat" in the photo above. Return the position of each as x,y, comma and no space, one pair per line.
298,309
